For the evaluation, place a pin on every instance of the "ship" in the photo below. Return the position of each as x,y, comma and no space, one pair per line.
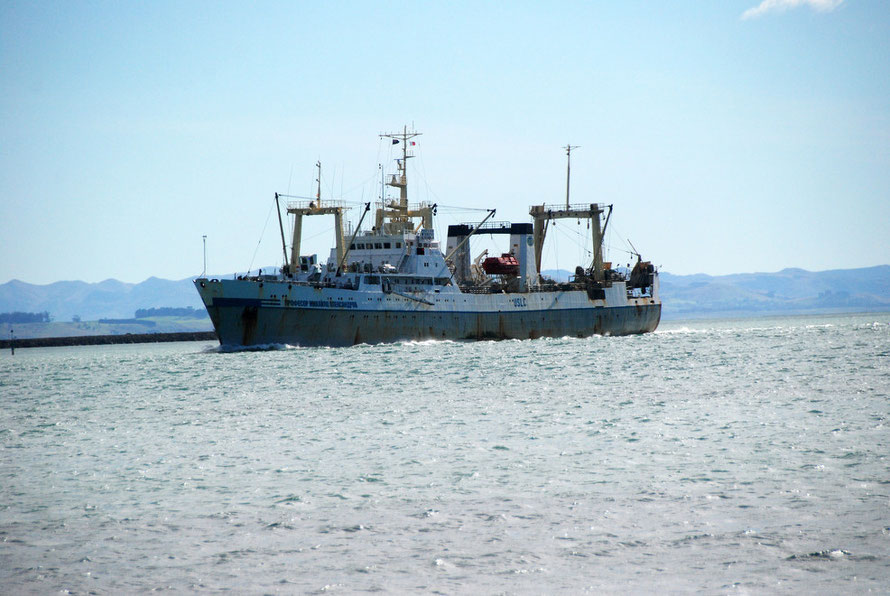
394,281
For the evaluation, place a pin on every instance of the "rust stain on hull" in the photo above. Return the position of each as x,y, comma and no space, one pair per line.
248,324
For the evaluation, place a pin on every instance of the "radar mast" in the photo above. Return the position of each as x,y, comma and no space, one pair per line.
399,212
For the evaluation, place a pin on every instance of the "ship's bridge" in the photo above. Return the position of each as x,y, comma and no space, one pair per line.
394,253
377,252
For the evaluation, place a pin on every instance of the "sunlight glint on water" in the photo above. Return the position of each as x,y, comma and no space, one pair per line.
707,456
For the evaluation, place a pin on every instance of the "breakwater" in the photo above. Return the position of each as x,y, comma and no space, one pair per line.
96,340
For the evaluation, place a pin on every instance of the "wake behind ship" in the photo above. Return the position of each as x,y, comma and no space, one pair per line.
394,282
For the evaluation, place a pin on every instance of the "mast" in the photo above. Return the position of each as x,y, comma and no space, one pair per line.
568,149
400,181
544,214
399,213
298,210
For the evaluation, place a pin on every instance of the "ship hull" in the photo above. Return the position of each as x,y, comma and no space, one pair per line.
250,323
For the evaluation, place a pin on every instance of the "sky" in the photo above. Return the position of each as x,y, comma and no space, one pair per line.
732,136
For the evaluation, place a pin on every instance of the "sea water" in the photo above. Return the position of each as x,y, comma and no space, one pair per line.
724,457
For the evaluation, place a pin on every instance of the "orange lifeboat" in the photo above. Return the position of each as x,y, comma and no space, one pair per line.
506,264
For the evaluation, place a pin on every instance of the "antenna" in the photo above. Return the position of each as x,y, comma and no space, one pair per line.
382,183
568,149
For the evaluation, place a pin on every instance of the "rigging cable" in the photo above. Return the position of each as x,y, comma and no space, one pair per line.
263,233
576,242
629,250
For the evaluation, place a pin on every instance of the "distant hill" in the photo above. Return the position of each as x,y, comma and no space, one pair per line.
789,291
109,299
